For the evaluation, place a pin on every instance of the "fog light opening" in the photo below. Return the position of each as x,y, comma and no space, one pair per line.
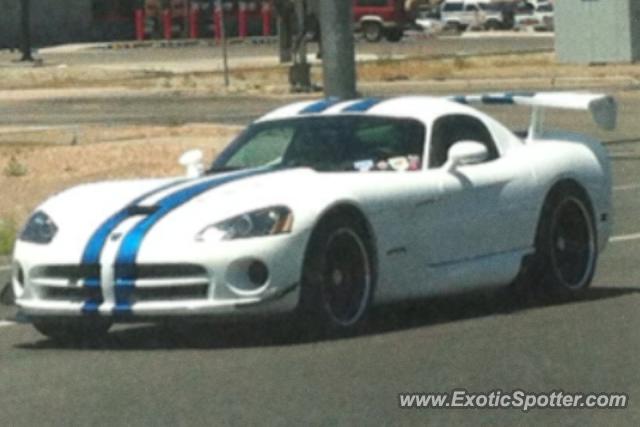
258,273
16,286
18,274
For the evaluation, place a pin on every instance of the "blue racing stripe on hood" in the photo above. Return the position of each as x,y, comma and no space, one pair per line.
93,250
125,268
320,106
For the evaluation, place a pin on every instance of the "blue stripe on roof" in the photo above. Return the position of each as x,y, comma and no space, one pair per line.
505,99
460,99
319,106
362,106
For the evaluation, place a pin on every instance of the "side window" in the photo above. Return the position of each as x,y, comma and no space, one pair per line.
450,129
452,7
391,139
471,8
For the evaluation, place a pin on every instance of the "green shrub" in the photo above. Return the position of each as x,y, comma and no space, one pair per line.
15,168
7,236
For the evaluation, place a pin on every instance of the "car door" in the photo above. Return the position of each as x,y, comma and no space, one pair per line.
470,15
482,205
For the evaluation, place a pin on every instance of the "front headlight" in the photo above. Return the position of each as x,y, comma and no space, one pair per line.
263,222
39,229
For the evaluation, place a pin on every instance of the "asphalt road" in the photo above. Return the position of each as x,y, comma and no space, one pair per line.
175,108
410,46
265,374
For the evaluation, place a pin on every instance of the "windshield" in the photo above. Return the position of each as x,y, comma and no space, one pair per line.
330,143
490,7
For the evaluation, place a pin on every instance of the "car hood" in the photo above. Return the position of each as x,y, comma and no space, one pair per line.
188,204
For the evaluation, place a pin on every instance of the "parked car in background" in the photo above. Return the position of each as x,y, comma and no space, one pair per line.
478,14
538,17
381,18
428,20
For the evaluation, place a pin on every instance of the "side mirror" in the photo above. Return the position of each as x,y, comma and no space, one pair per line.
466,153
192,162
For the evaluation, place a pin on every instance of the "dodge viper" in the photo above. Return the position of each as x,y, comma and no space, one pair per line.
323,209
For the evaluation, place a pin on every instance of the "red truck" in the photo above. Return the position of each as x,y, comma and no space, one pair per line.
381,18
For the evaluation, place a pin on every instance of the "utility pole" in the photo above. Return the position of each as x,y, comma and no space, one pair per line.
300,71
338,49
25,28
286,15
223,34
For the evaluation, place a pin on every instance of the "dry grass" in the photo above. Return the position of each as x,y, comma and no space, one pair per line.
7,236
105,153
272,79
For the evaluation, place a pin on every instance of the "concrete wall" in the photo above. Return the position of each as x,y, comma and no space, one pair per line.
597,31
634,13
52,22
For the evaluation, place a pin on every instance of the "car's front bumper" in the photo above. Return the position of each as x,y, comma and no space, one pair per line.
188,280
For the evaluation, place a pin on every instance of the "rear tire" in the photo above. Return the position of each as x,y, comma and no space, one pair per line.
566,248
453,27
338,276
394,35
73,331
492,25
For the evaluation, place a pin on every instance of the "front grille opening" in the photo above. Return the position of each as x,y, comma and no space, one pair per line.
171,293
161,271
70,272
69,294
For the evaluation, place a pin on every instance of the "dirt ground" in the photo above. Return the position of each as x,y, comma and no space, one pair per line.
32,171
274,79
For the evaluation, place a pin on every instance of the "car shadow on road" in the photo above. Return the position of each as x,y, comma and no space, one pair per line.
285,332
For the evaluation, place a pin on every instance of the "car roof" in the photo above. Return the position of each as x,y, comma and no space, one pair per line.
425,109
422,108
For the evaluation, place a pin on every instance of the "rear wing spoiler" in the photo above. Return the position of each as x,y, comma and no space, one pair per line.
603,108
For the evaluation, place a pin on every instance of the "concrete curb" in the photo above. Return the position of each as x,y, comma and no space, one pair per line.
261,40
138,44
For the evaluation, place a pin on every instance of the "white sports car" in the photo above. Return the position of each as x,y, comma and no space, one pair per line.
326,208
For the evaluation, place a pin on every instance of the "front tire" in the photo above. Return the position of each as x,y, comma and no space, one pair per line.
73,331
338,276
372,31
566,245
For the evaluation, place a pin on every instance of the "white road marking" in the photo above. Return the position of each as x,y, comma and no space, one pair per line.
626,187
624,238
4,323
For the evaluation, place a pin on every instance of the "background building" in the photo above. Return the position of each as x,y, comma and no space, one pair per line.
67,21
597,31
64,21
